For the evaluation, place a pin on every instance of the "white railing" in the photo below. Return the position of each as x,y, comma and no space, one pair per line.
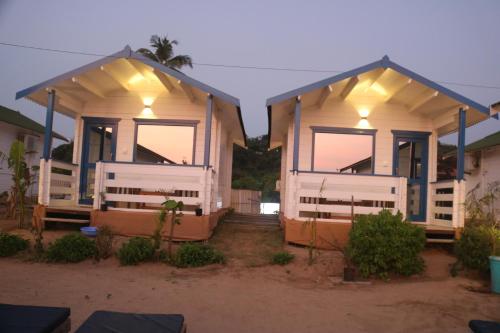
143,187
328,196
447,203
57,184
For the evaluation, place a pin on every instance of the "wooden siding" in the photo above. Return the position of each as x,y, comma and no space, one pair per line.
176,106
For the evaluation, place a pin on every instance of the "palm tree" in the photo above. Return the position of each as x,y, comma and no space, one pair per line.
164,53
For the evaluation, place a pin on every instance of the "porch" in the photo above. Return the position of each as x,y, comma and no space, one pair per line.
127,186
333,197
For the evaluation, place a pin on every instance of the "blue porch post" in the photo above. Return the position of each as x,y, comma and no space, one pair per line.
461,144
49,119
296,135
208,130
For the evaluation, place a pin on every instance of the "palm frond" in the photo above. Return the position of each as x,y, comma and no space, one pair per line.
180,61
148,54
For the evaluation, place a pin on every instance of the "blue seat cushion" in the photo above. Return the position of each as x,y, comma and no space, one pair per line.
107,321
31,319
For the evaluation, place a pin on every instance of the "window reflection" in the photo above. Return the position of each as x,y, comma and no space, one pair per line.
345,153
168,144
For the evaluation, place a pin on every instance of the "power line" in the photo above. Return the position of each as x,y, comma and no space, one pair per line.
269,68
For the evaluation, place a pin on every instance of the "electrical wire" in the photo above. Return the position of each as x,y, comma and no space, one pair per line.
269,68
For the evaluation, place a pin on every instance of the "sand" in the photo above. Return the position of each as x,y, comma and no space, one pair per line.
263,299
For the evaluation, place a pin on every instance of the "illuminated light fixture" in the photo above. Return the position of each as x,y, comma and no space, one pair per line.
147,110
363,113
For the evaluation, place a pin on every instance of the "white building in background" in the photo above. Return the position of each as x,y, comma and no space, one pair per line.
15,126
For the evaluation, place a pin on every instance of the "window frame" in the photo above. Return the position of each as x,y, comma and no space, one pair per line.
165,122
344,130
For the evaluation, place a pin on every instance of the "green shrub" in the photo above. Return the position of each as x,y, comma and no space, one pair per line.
384,243
196,255
136,250
11,244
71,248
475,246
282,258
104,243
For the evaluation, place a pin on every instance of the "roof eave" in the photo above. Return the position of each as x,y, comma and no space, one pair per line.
385,62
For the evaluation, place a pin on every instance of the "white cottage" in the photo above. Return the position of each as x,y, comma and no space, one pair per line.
482,165
143,131
369,137
16,126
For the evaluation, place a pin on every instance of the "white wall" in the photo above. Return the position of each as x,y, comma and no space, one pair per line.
486,173
383,117
174,106
8,134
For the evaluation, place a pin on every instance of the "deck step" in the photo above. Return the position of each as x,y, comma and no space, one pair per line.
65,220
440,240
253,220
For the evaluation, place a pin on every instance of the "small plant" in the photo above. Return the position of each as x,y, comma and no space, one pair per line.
312,251
384,243
475,246
104,243
136,250
282,258
104,204
21,179
71,248
11,244
169,206
481,236
196,255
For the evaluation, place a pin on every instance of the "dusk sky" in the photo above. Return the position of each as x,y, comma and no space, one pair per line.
454,41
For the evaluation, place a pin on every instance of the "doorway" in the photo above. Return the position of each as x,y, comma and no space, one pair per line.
99,144
410,160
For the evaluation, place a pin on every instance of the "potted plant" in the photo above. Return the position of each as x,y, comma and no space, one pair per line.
104,204
198,211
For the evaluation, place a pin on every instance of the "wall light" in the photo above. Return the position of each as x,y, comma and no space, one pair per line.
363,113
147,110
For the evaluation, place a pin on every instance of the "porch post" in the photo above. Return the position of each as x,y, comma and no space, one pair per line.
461,145
208,130
49,119
296,134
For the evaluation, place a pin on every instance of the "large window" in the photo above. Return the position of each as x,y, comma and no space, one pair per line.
163,141
343,150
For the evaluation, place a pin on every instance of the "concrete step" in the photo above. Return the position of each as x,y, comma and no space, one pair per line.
266,226
440,240
65,220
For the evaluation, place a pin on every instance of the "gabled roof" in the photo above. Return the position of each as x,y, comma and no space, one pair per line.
127,53
15,118
384,63
486,142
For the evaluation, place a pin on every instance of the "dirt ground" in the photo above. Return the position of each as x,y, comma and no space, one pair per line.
247,295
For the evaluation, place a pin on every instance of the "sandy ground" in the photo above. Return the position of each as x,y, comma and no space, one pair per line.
239,297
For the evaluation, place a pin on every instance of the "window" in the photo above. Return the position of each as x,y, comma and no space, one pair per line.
343,150
164,141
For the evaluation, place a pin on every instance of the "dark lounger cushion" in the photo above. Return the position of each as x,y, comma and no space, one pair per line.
483,326
106,321
31,319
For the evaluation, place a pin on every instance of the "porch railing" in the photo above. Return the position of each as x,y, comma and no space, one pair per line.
57,185
143,187
447,203
328,196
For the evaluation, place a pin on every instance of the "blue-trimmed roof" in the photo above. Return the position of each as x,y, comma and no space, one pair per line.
127,53
385,62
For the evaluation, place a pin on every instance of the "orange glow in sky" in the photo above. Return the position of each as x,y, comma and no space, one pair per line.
333,152
172,142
